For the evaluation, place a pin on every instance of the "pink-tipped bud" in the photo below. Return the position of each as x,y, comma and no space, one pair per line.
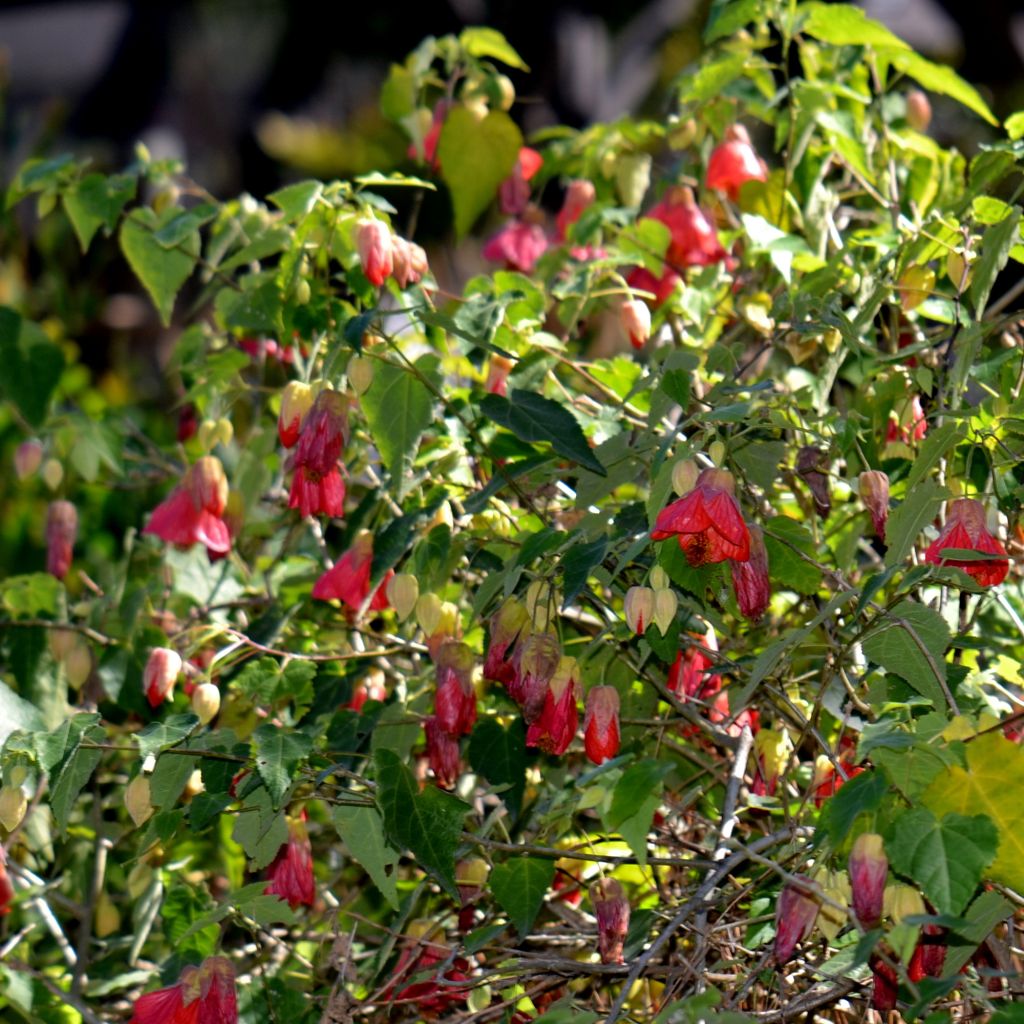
410,262
206,702
61,531
162,668
795,913
28,457
601,724
296,401
639,608
612,911
874,492
208,485
455,700
376,250
867,868
919,110
498,370
635,318
403,591
750,579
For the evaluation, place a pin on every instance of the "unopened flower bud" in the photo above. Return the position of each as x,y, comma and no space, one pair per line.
61,642
541,603
635,318
771,750
471,876
78,664
194,786
360,374
874,492
659,579
795,913
214,432
632,177
612,911
52,473
208,484
107,920
919,110
410,262
506,92
61,533
639,608
868,867
162,668
428,612
901,901
836,887
498,369
28,457
812,468
137,799
915,285
442,517
13,804
684,476
296,401
403,591
717,452
373,241
206,702
665,606
601,724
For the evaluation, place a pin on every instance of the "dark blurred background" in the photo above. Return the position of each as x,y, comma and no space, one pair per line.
253,92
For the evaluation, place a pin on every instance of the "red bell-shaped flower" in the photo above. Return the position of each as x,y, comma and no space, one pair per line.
611,908
192,513
373,240
290,875
707,521
750,578
455,700
733,162
442,753
601,724
317,487
694,241
518,245
965,529
202,995
556,725
61,532
349,580
6,887
795,913
507,624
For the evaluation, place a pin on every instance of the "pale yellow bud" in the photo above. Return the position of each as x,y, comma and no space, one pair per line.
901,901
665,606
61,642
835,887
107,920
639,608
137,800
684,476
506,92
78,664
442,517
360,374
716,452
403,590
206,702
13,805
53,474
428,613
659,579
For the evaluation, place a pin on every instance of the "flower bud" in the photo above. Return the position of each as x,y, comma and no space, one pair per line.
795,914
498,369
506,92
750,579
403,591
666,604
52,473
107,920
632,177
868,867
78,664
612,911
373,241
659,579
13,804
61,642
428,612
296,401
28,457
900,901
836,886
206,702
360,374
601,724
214,432
410,262
61,532
471,876
538,602
442,754
874,492
771,751
208,485
919,110
137,799
194,786
639,608
812,468
162,668
684,476
635,318
455,698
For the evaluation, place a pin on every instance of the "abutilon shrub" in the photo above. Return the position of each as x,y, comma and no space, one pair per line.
609,610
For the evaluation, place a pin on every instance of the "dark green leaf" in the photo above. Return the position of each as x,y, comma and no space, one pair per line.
161,271
785,539
862,793
636,797
532,417
32,366
169,778
362,831
71,775
577,564
97,201
937,444
278,753
166,733
520,885
908,519
995,246
499,755
910,640
260,828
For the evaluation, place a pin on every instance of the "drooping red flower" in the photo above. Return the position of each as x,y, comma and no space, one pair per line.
885,984
162,669
442,753
507,623
317,486
349,580
694,241
296,401
733,162
907,423
61,532
556,725
455,699
750,578
6,886
373,241
641,279
689,677
536,661
827,780
290,875
965,529
518,245
498,369
795,914
929,955
874,492
202,995
578,196
433,995
611,908
410,262
707,521
514,191
192,513
601,724
868,867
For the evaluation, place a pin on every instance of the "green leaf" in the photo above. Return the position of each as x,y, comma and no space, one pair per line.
910,641
398,94
785,565
71,775
161,271
32,366
935,446
33,595
398,408
941,79
987,911
520,885
97,201
912,770
906,522
480,41
184,224
532,417
429,824
476,157
260,828
499,755
636,797
846,25
17,713
362,831
946,858
165,734
996,243
295,201
727,16
861,794
577,564
169,778
1014,125
278,753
